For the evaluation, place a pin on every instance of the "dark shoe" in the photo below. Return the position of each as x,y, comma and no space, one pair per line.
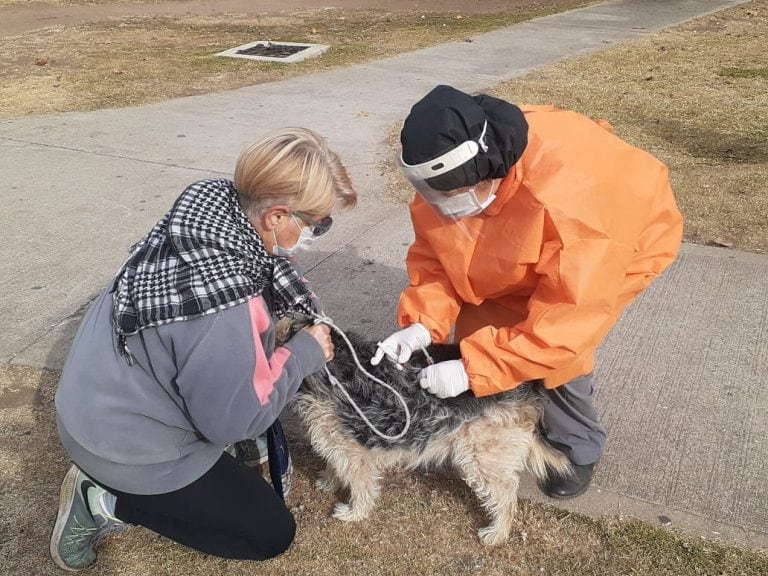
563,487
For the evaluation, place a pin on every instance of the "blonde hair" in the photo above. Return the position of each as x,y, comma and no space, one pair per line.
294,167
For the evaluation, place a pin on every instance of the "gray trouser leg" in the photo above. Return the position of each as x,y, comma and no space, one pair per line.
570,421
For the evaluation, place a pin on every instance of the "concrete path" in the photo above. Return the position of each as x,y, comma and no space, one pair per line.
681,377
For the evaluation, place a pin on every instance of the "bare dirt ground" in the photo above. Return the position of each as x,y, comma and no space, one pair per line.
19,16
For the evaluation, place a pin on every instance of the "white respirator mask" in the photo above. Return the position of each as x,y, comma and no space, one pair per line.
464,204
305,240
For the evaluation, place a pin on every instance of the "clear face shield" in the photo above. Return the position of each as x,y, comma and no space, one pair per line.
460,202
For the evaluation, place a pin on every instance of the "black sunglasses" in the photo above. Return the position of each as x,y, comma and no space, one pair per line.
318,228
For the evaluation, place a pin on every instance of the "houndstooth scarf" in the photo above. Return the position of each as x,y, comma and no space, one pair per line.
202,257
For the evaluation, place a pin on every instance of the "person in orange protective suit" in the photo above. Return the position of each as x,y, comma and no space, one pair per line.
535,227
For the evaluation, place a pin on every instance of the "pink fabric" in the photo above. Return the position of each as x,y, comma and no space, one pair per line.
267,371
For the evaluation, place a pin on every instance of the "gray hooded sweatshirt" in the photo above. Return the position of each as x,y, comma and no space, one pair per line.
196,386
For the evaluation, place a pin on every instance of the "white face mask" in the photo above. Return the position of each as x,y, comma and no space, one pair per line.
464,205
306,237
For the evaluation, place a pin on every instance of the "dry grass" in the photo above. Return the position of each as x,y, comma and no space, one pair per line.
25,3
139,60
696,96
424,524
49,3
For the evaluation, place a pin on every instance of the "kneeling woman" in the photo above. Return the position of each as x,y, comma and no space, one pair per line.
176,360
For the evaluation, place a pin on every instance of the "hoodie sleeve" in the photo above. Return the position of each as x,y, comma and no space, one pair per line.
234,381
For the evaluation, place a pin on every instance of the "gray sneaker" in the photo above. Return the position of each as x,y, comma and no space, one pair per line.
82,522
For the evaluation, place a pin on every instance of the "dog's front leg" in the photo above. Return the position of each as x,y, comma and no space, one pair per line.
327,481
348,464
360,473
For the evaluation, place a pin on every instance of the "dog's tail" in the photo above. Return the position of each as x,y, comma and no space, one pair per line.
545,461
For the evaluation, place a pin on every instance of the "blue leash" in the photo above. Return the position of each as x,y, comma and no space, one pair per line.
279,456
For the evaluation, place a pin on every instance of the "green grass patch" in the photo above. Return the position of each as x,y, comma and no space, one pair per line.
732,72
650,550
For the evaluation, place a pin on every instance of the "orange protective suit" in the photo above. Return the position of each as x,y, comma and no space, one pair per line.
581,224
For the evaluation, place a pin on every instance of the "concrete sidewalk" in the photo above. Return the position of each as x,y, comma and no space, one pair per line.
680,380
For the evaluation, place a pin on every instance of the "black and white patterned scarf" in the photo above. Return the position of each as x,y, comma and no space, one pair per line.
202,257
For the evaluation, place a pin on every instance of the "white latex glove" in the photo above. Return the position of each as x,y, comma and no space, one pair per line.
445,379
399,346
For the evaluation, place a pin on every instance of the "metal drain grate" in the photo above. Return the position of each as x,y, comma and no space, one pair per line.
286,52
272,50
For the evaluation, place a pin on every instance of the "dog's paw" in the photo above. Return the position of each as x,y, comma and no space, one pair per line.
346,513
327,482
492,536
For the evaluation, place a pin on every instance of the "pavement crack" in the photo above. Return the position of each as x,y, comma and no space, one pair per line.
116,156
51,327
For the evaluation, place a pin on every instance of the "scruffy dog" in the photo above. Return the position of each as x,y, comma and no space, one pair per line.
488,440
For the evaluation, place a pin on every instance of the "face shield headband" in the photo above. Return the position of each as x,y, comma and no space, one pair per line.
419,174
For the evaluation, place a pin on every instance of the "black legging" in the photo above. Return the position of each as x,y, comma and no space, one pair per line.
231,512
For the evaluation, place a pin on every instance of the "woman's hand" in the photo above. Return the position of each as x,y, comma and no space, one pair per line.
322,333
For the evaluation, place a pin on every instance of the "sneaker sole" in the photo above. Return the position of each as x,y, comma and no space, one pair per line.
66,498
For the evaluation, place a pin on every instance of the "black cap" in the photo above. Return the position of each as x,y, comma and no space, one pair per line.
446,117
